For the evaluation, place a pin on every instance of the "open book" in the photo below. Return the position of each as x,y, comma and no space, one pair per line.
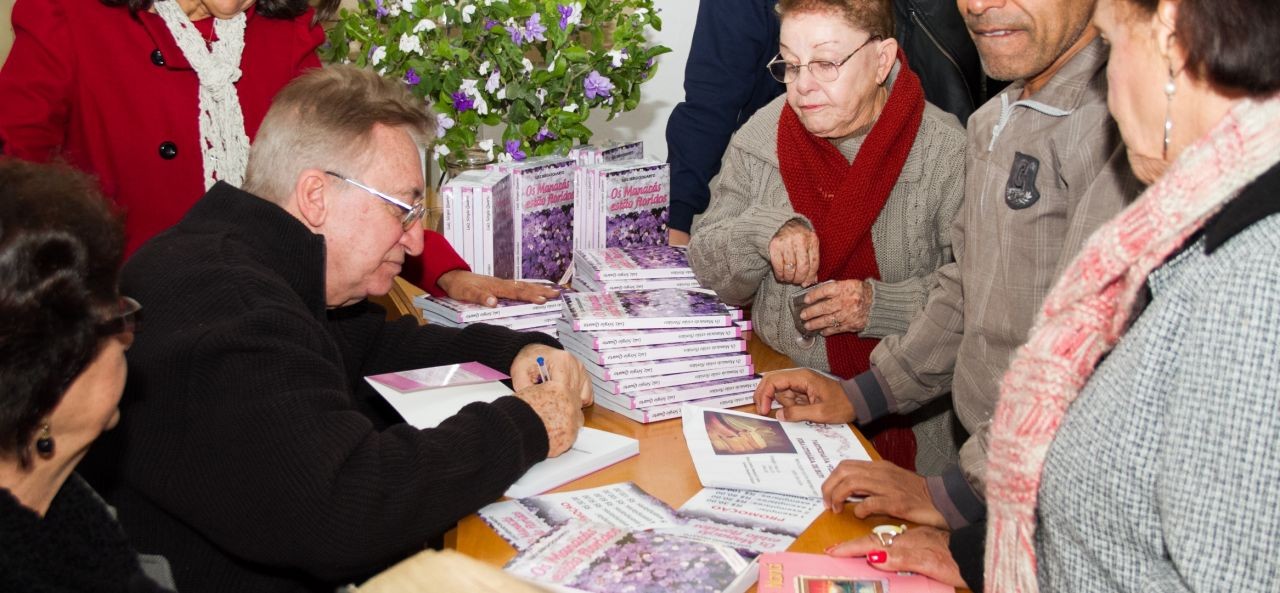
427,397
740,450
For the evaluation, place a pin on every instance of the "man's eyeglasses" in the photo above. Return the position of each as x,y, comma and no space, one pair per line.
823,70
412,213
126,319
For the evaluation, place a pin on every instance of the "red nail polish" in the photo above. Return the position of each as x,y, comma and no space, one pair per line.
877,556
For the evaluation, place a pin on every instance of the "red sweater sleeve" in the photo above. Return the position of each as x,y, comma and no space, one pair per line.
437,258
35,82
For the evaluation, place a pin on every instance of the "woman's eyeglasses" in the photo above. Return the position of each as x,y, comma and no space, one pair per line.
823,70
412,213
126,319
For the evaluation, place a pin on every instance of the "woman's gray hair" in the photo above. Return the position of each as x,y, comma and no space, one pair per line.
873,16
324,119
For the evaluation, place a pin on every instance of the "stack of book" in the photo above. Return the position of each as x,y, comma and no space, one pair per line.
477,221
623,204
516,315
649,351
588,155
613,269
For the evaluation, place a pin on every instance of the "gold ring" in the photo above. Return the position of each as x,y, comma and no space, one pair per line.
887,533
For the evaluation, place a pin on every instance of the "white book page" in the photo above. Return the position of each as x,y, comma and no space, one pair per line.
427,409
740,450
594,449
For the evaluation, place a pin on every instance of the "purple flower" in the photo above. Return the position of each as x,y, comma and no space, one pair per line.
411,77
461,102
533,29
513,149
382,10
489,24
544,134
515,34
565,13
596,85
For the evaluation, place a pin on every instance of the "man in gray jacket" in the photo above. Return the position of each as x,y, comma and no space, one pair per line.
1045,168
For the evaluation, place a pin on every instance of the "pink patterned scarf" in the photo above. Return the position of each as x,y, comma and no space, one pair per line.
1087,312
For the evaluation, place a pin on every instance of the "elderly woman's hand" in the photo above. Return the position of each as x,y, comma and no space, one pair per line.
922,550
837,307
793,253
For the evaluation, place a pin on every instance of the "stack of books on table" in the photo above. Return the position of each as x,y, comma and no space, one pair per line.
622,204
516,315
542,217
649,351
637,268
478,221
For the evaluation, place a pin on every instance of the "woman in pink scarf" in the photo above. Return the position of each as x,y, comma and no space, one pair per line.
1158,468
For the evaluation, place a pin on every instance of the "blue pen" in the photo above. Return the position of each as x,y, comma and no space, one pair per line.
542,371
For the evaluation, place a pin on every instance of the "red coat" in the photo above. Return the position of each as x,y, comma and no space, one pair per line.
112,94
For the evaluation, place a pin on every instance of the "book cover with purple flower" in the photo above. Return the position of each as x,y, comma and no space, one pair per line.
611,264
637,201
645,309
604,559
542,217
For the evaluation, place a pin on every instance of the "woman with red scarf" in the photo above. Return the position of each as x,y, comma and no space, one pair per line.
851,177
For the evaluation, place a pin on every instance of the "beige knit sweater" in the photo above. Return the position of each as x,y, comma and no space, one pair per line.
729,249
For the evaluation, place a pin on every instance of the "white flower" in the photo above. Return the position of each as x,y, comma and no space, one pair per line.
551,64
378,56
444,19
467,11
487,147
481,106
407,5
501,95
441,150
528,66
410,44
616,57
642,11
443,123
484,67
542,95
393,11
446,66
570,108
493,82
424,25
468,86
503,157
575,18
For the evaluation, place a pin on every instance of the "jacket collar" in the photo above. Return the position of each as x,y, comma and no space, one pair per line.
174,59
1070,85
277,239
1258,200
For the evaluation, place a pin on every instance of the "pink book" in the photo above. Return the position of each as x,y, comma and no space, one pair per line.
791,572
467,373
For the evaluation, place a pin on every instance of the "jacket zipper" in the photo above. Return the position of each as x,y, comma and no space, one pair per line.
915,18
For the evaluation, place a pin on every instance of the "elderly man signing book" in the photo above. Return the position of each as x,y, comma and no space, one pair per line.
252,453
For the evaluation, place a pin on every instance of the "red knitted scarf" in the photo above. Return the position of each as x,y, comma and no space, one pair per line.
842,201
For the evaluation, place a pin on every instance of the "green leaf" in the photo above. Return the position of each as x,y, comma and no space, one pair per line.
530,127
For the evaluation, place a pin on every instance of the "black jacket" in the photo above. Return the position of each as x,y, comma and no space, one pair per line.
251,453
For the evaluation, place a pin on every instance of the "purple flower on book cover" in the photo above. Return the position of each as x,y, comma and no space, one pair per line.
644,228
462,102
546,249
659,257
669,302
596,85
650,562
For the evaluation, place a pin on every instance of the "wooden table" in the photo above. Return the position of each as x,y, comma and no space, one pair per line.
664,469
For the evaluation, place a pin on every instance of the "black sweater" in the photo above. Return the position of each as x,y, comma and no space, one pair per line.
250,452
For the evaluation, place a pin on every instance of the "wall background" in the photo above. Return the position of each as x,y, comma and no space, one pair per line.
648,122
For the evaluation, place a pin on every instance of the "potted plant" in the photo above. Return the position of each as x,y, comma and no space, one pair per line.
535,69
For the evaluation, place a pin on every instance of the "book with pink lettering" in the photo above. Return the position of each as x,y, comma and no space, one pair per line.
609,340
660,352
656,368
645,309
620,386
670,411
792,572
637,201
646,398
542,217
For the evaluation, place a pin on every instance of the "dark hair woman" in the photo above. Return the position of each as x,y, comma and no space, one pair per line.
64,329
